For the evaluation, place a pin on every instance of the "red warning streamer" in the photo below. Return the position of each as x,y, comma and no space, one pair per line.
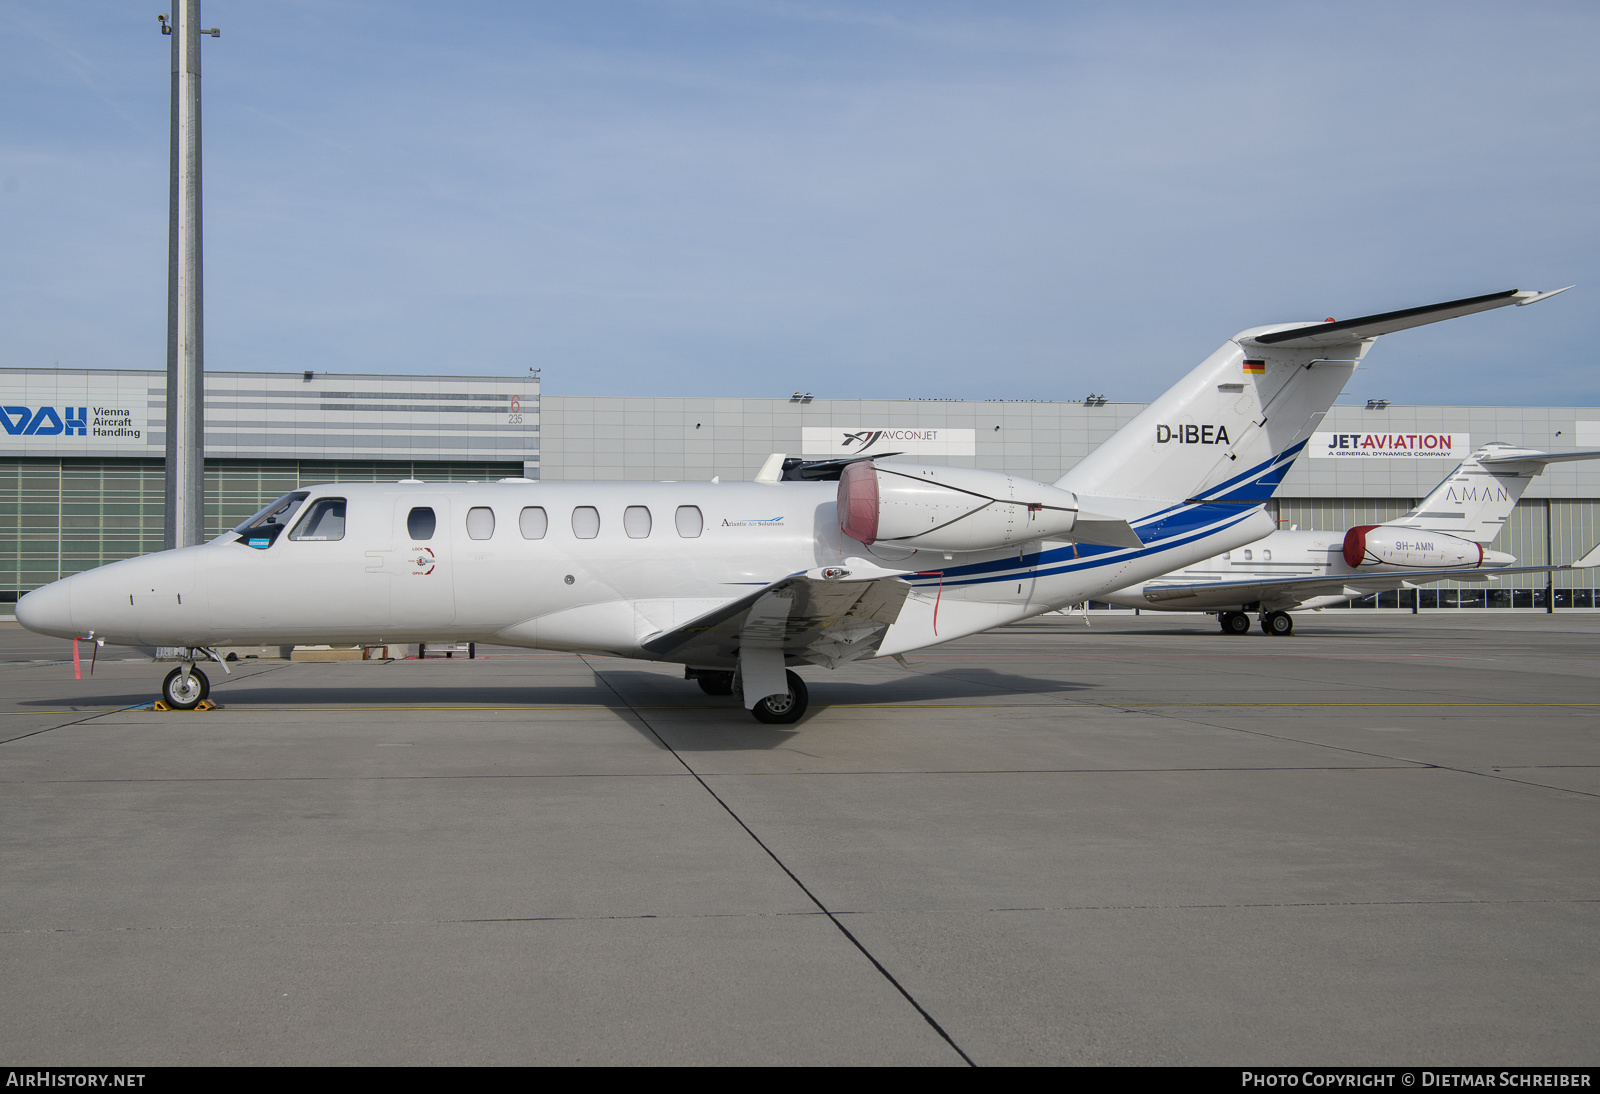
936,595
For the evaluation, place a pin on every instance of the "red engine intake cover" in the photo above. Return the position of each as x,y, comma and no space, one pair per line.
858,502
1355,545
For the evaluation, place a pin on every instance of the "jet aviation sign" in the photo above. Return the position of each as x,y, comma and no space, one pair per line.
1422,444
850,440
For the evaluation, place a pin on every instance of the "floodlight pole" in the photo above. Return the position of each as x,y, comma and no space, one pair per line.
186,475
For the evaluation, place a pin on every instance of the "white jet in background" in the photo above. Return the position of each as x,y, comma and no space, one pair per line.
1444,537
737,581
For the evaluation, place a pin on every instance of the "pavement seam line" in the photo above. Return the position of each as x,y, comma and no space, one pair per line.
95,714
823,908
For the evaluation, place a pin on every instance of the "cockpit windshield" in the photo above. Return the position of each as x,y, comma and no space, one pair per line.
263,529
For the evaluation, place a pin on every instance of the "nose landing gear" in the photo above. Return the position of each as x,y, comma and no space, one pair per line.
185,688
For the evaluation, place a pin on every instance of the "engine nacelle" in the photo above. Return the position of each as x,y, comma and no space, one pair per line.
1384,545
949,508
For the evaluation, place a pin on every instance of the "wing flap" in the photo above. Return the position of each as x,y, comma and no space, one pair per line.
827,616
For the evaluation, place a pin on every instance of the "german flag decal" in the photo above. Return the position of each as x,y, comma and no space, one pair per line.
1255,368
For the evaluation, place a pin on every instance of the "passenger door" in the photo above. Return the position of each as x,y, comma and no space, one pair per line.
419,565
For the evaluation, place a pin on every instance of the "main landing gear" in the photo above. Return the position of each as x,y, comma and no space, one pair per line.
1277,624
1234,623
713,682
778,710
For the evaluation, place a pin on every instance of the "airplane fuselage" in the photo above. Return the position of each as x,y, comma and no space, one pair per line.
1287,554
574,566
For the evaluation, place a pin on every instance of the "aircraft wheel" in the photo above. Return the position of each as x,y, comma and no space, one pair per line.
777,710
181,697
1278,624
1234,623
720,683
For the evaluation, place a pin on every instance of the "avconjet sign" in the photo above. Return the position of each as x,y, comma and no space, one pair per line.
1410,445
870,440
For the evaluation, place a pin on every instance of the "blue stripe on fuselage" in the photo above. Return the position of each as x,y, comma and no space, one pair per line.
1061,560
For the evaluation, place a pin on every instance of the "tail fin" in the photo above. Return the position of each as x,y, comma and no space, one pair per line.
1475,500
1229,430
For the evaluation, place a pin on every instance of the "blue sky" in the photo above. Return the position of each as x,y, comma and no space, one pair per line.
920,199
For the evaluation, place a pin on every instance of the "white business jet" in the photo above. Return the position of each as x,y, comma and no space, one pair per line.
737,581
1443,538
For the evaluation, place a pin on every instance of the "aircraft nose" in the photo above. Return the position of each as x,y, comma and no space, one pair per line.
48,610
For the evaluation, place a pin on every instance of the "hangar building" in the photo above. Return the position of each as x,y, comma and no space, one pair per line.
81,456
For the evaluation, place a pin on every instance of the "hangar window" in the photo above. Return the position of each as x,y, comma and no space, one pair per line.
690,522
324,521
420,523
533,522
636,521
586,522
263,529
480,522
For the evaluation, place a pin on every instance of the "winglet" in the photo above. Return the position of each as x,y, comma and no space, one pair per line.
772,470
1589,560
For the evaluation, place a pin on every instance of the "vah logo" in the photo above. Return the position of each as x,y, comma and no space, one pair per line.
22,421
1191,434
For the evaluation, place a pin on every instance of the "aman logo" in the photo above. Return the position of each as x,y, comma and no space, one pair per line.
22,421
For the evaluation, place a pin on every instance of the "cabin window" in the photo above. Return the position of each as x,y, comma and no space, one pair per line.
1226,555
1266,556
533,522
420,523
586,522
690,522
324,521
1248,556
636,521
263,529
480,522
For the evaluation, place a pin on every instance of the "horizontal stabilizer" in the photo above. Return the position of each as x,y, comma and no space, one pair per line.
1540,457
1345,331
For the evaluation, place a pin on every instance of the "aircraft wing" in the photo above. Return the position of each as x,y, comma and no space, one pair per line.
1307,586
1370,326
828,616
